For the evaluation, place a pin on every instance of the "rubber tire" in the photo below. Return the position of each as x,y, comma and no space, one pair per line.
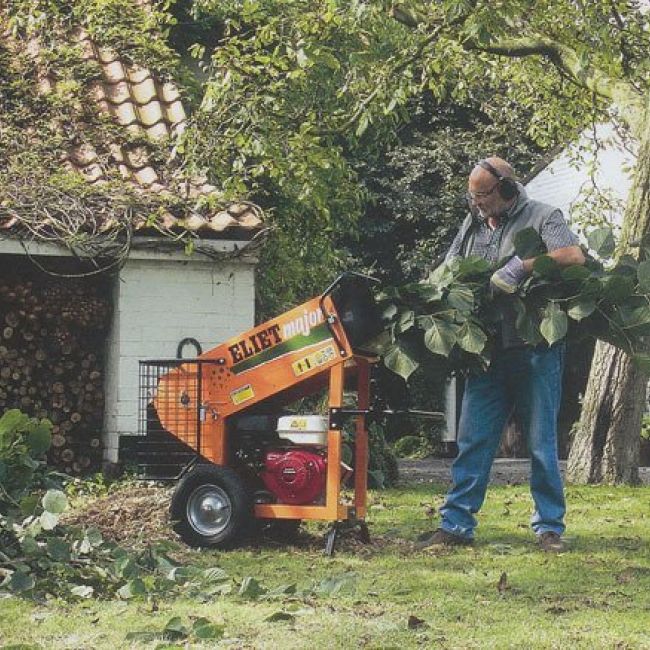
241,505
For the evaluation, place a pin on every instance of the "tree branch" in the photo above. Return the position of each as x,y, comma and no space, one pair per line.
621,92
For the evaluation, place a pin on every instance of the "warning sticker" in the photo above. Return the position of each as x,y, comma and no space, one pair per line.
313,360
242,394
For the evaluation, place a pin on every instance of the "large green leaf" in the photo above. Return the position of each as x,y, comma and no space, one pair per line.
617,288
58,549
82,591
442,276
528,243
427,292
55,501
405,320
592,287
39,438
471,337
627,266
202,628
440,337
399,361
48,520
21,581
545,266
11,421
389,311
527,324
581,307
250,588
461,298
471,266
280,616
132,589
175,630
554,323
575,272
643,274
633,314
602,242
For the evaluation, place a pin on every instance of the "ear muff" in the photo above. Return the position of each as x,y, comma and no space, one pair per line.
507,187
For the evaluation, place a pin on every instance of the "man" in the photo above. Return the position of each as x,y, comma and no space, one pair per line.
523,378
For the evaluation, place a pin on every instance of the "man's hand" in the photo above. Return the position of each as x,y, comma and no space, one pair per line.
508,277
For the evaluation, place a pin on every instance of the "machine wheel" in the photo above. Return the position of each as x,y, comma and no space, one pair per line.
211,507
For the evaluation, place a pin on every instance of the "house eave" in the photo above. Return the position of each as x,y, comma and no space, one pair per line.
142,247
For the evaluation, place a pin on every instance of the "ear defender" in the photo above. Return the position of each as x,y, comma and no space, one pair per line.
507,186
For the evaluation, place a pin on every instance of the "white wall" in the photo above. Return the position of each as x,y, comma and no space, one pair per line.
565,180
157,302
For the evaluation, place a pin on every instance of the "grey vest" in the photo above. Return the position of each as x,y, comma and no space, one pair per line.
525,213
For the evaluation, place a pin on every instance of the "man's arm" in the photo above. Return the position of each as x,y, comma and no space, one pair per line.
566,256
561,243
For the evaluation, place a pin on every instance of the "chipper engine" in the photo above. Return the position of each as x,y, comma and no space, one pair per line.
252,460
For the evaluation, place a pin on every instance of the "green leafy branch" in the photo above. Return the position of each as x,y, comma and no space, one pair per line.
453,317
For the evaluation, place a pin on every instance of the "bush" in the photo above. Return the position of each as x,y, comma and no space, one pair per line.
23,444
382,464
413,447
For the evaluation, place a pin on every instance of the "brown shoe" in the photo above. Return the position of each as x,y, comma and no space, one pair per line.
441,537
551,542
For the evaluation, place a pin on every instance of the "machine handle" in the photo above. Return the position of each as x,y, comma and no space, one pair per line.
337,415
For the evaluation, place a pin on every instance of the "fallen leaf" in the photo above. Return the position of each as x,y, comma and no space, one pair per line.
280,616
414,622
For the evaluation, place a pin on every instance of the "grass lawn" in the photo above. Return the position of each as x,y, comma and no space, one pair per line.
501,593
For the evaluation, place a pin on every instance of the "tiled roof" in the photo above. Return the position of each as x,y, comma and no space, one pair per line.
145,106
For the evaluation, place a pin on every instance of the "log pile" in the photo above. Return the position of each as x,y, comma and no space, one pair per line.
52,334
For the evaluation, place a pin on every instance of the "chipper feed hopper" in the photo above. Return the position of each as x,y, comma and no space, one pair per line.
252,460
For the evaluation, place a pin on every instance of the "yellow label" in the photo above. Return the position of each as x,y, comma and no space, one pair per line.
299,423
313,360
242,394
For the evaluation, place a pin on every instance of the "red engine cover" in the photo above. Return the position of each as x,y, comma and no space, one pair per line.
296,476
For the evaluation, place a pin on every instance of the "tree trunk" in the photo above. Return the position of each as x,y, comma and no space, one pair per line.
607,437
607,441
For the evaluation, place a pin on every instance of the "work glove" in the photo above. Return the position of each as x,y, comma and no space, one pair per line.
508,277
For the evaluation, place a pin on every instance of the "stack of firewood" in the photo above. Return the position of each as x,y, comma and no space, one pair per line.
52,334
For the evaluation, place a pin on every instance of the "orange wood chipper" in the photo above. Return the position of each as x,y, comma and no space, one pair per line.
251,461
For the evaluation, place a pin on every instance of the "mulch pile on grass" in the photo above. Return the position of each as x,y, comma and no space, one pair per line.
129,515
137,514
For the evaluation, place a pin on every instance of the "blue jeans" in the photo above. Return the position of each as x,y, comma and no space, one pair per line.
529,381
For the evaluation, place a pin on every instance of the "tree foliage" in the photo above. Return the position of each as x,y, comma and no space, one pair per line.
416,188
279,121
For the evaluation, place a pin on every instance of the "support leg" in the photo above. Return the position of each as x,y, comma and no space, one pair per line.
358,525
330,543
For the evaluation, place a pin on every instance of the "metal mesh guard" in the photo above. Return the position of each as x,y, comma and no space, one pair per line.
182,416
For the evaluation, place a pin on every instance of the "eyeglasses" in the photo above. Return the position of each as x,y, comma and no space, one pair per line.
472,196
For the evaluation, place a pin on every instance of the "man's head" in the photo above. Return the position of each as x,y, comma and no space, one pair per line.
483,188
